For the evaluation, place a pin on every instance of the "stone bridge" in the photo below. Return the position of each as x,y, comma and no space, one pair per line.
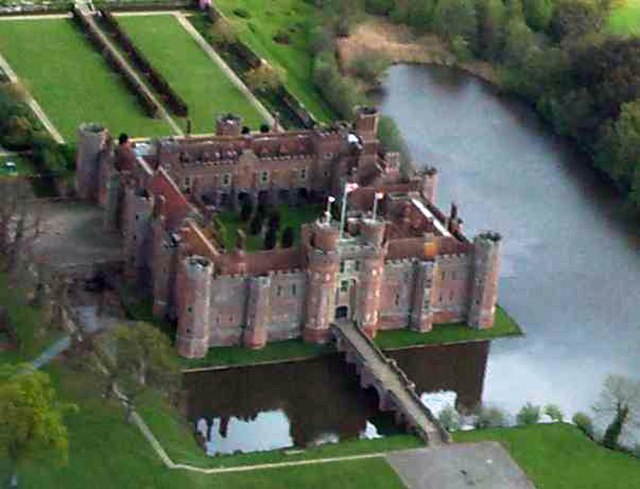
395,391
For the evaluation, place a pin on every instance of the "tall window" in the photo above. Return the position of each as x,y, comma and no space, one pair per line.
226,179
303,173
344,286
264,176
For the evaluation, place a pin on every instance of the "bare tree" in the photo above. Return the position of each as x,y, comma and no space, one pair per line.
620,398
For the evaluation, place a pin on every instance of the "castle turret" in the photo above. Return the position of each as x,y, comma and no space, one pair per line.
322,272
486,268
228,125
91,141
429,183
372,268
367,123
421,314
137,233
258,312
165,253
193,300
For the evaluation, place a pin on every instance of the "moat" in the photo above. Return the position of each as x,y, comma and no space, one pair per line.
570,276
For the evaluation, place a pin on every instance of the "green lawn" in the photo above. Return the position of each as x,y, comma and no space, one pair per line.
504,325
106,452
71,80
191,73
559,456
290,216
268,17
626,19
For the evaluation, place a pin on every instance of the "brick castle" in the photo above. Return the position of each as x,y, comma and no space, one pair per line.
409,267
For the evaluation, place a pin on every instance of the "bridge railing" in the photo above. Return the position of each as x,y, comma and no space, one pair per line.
409,386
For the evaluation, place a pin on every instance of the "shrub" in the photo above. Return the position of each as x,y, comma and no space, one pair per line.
490,417
528,415
379,7
339,91
256,224
282,36
242,13
460,48
264,128
370,67
270,239
274,220
449,419
287,238
246,210
222,32
554,412
264,78
584,423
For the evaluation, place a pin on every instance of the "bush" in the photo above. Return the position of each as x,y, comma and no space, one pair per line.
242,13
370,67
379,7
256,224
270,239
282,37
490,417
264,78
528,415
554,412
287,238
584,423
222,32
460,49
339,91
246,210
274,220
449,419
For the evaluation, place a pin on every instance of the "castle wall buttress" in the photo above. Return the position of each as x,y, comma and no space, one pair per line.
258,312
137,235
421,313
164,269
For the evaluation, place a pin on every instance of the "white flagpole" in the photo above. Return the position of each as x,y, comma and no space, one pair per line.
343,212
375,205
327,213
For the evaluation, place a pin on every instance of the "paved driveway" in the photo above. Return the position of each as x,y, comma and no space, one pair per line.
485,465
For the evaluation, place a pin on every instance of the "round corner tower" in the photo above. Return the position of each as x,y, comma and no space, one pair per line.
193,299
372,233
429,183
91,140
486,269
322,272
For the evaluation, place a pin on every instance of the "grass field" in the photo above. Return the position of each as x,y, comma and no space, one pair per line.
268,17
105,452
559,456
70,79
626,18
192,74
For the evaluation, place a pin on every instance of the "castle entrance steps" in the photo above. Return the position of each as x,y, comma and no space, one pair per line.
395,391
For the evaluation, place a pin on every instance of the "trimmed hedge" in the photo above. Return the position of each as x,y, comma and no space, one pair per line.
147,103
171,99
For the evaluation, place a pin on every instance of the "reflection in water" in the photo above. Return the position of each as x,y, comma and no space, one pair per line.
571,267
317,401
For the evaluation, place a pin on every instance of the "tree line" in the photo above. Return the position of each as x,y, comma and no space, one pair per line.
556,54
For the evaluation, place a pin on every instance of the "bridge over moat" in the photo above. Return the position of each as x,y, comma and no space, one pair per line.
395,391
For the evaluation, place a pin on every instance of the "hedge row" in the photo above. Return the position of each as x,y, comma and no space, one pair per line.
170,98
148,104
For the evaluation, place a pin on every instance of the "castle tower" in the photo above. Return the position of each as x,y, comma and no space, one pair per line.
228,125
91,140
484,291
429,183
165,253
136,232
193,300
258,312
372,269
366,123
421,314
322,273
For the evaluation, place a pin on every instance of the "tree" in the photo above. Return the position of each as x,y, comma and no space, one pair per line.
270,238
528,415
490,417
575,18
584,423
449,419
538,13
287,237
255,226
554,412
420,14
222,32
457,18
379,7
31,420
264,78
620,398
370,67
143,358
246,210
519,40
492,19
274,220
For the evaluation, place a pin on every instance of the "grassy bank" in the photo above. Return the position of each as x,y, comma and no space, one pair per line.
71,80
504,325
625,19
106,452
258,21
201,83
559,456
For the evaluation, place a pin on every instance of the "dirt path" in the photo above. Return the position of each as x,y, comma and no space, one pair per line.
400,45
31,102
